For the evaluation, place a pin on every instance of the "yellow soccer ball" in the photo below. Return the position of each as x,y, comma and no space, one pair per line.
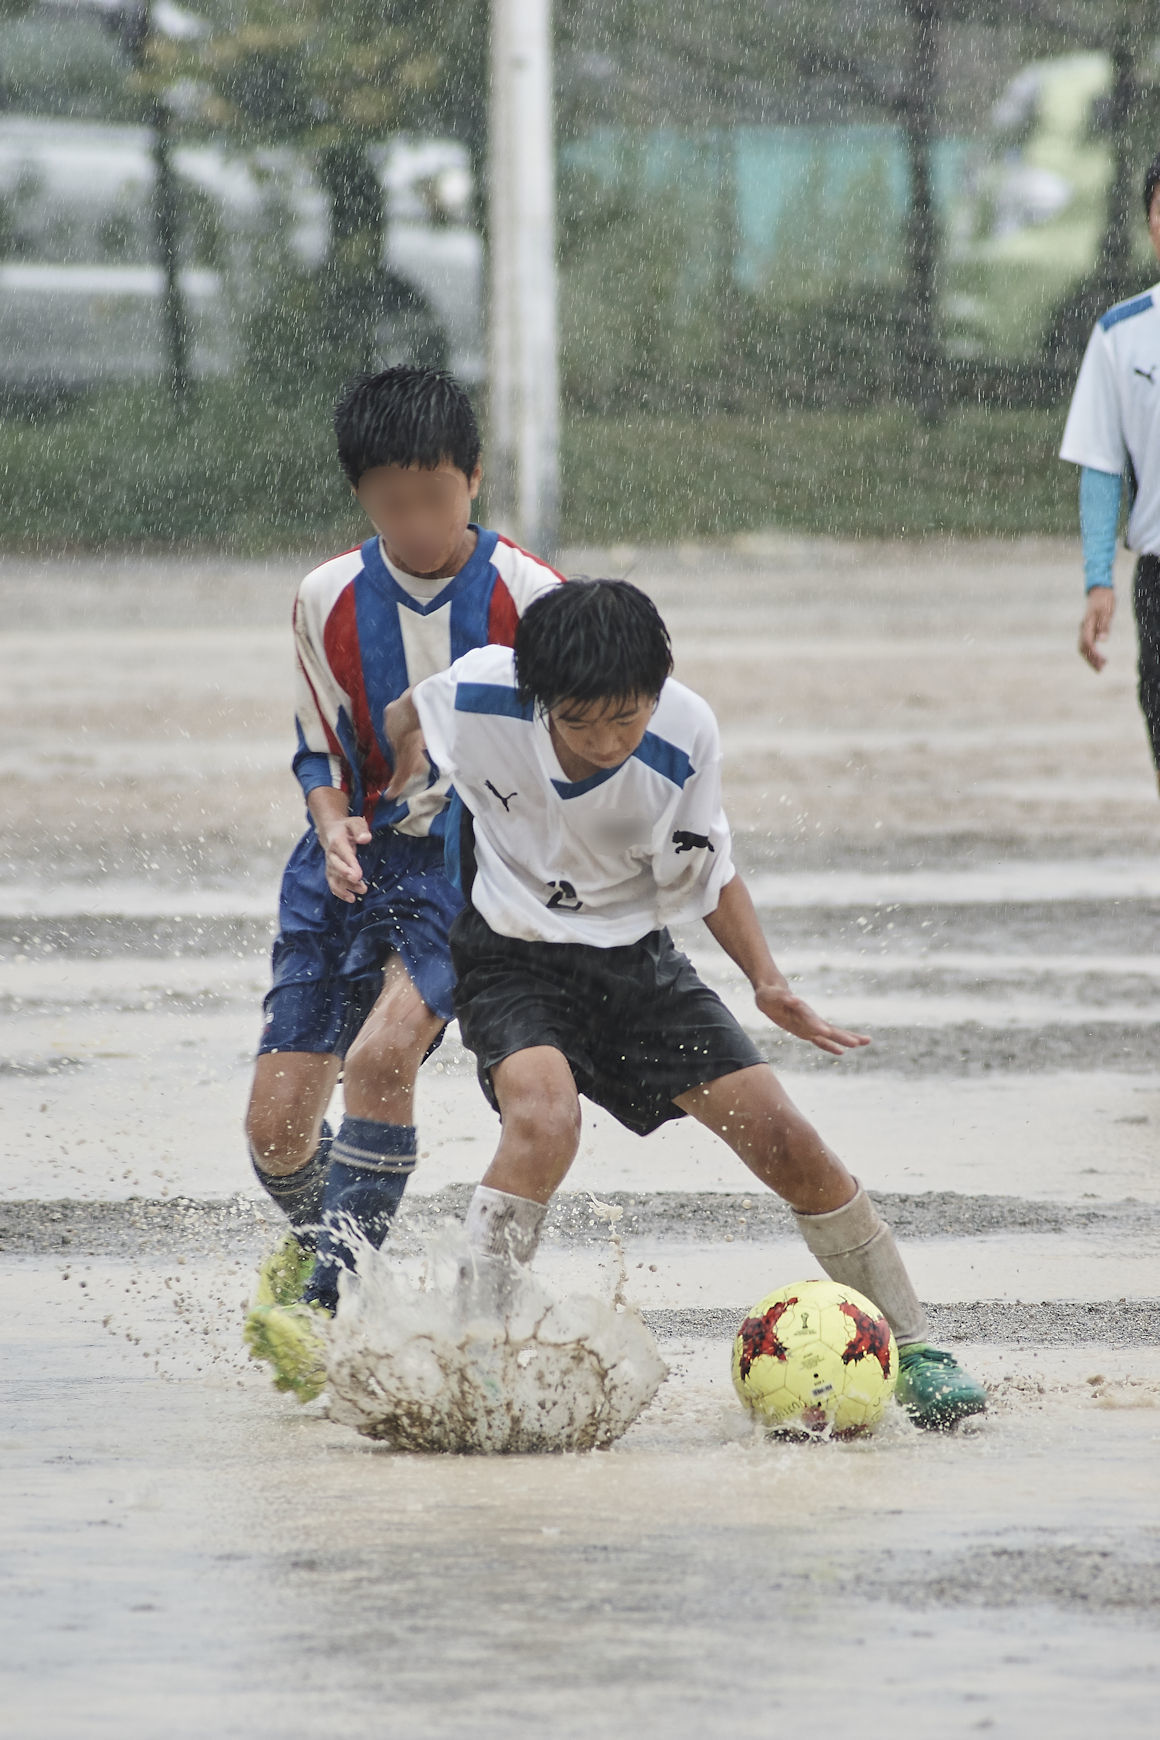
815,1357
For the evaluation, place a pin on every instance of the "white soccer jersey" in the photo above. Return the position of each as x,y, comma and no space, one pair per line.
1114,418
602,860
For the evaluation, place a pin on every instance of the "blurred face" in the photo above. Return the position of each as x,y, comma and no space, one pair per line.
1154,222
422,514
593,736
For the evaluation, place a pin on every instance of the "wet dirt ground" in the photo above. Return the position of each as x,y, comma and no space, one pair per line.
950,827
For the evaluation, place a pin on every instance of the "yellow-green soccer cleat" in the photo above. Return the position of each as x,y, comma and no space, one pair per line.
289,1338
284,1273
934,1389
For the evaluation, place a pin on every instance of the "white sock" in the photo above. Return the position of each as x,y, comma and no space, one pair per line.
855,1246
501,1225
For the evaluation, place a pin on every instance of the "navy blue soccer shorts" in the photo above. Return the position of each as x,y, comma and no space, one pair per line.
328,956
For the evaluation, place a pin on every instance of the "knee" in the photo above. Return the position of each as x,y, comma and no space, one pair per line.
546,1119
278,1144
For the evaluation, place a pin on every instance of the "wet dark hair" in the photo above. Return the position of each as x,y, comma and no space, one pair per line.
405,416
591,640
1151,183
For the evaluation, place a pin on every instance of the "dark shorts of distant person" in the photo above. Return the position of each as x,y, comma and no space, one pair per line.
1146,601
328,956
636,1024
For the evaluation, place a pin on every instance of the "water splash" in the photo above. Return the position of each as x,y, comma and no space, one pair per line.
419,1359
613,1214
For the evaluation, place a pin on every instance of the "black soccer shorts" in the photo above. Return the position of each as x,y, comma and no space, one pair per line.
1146,600
635,1022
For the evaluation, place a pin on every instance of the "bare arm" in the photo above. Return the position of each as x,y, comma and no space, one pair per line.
735,926
339,833
405,736
1096,625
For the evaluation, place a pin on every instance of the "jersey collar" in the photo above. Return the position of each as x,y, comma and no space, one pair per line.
473,569
550,761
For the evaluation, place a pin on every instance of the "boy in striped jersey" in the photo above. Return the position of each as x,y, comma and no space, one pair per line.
362,974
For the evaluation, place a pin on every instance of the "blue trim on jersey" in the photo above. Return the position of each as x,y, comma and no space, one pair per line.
1125,311
384,661
380,642
494,698
570,788
656,752
452,817
311,769
666,759
470,615
473,570
344,731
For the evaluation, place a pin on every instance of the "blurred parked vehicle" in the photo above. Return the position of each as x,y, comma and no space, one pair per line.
1030,225
81,302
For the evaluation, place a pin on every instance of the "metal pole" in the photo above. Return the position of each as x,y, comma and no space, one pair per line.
136,25
524,421
1116,244
174,317
923,354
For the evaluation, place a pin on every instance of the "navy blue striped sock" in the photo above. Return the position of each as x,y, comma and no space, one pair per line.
370,1164
300,1194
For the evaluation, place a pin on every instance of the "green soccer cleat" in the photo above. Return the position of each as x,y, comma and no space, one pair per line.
934,1389
289,1338
284,1273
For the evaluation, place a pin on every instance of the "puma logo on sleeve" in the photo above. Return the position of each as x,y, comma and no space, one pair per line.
686,842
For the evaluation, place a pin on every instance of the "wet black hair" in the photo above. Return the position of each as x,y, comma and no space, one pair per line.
591,640
405,416
1151,183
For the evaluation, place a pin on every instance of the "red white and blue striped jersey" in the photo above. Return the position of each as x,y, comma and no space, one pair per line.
362,641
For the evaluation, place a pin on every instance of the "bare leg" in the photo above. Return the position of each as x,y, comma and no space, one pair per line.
755,1115
540,1109
288,1101
838,1221
383,1063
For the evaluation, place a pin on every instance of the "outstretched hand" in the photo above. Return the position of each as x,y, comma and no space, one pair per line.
794,1014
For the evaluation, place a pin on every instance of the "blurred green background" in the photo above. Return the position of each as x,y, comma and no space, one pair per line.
826,268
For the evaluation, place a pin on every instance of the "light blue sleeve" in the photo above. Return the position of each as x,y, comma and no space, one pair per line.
1099,516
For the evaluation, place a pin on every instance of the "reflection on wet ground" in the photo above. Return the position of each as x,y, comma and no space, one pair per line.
184,1547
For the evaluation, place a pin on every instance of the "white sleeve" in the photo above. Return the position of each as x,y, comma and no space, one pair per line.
434,700
319,700
524,575
1094,433
693,857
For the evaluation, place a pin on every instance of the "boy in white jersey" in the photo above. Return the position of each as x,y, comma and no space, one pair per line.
1113,430
361,966
591,786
